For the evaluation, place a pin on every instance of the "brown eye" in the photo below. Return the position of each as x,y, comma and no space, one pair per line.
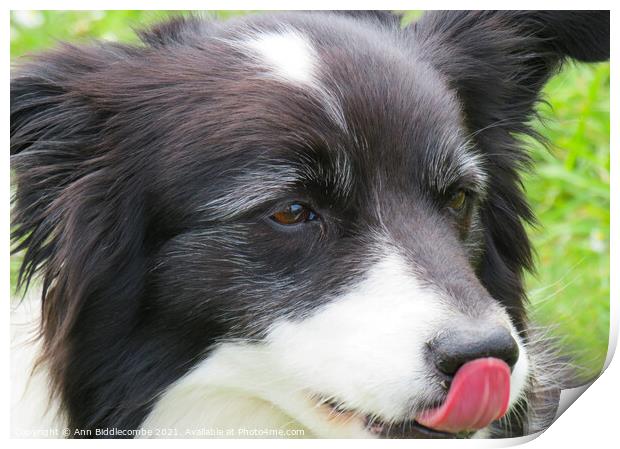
294,214
458,200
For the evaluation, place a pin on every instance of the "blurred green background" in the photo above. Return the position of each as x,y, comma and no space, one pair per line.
569,188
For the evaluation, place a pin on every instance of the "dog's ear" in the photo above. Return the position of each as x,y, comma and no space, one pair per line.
77,212
498,61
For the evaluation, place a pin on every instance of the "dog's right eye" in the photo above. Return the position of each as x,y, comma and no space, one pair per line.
458,200
293,214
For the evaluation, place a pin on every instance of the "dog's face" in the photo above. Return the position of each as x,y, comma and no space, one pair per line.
339,226
315,211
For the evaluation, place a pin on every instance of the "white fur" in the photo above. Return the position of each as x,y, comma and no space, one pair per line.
290,57
33,413
363,348
289,54
520,372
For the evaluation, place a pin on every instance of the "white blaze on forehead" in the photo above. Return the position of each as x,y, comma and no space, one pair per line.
290,55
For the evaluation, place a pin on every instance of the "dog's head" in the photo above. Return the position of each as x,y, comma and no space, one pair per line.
315,210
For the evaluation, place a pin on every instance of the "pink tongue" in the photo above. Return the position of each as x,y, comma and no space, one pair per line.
478,395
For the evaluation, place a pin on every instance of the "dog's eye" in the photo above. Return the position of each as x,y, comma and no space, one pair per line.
293,214
457,201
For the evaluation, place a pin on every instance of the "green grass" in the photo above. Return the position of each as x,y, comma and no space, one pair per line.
569,187
38,30
569,190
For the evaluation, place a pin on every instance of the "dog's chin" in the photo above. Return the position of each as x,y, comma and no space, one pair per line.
378,427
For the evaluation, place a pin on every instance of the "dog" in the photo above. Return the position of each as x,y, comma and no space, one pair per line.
304,224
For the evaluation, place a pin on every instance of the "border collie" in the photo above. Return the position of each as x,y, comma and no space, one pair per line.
286,224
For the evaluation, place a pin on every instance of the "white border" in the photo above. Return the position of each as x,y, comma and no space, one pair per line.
592,421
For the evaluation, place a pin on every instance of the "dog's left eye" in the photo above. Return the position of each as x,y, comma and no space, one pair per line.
458,200
293,214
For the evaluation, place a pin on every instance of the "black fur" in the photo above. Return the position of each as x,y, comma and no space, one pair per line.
118,150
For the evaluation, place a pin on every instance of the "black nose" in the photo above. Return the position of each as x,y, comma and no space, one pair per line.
458,346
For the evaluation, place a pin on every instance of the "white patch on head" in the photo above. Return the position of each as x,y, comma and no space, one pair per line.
291,58
289,54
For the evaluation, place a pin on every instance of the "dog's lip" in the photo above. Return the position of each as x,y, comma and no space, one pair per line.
410,428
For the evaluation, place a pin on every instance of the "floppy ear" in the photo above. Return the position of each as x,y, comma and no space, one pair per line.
77,208
497,63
